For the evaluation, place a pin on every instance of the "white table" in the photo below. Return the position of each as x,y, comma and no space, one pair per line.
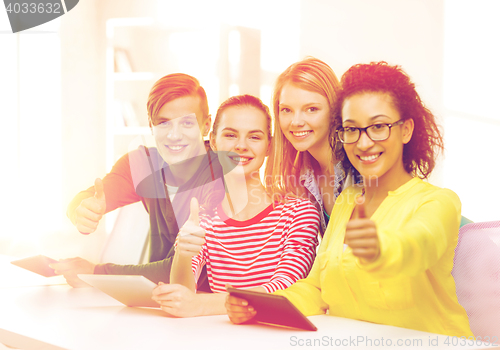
60,317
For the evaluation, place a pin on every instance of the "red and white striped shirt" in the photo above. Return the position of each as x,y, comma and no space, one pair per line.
274,249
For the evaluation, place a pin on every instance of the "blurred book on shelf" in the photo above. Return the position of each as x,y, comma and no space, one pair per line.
122,61
125,114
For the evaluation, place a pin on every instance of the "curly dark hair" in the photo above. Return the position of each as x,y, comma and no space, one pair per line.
419,154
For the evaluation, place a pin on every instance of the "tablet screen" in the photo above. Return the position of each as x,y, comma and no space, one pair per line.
38,264
131,290
274,309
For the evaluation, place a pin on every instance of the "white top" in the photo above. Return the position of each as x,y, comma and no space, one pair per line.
171,190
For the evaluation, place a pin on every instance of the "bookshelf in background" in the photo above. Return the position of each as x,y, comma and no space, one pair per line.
128,80
224,58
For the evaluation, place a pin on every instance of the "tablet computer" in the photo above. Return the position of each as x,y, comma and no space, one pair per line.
274,309
38,264
131,290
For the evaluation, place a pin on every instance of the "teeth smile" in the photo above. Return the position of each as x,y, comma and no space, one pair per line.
175,147
300,133
370,157
240,159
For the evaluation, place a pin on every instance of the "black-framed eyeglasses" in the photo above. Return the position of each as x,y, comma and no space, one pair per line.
376,132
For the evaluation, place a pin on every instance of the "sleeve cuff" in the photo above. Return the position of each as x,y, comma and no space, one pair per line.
276,285
99,269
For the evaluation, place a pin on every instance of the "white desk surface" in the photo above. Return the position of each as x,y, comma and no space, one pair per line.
60,317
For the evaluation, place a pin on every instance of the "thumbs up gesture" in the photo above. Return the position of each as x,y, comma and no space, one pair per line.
90,211
361,234
191,236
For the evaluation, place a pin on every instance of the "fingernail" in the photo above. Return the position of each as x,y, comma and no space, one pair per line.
244,303
251,309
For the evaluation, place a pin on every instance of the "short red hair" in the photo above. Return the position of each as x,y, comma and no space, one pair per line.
171,87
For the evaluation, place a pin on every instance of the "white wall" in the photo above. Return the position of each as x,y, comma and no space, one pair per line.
83,45
428,38
471,95
83,50
31,136
408,33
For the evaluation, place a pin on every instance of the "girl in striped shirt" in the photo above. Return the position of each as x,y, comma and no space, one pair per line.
250,241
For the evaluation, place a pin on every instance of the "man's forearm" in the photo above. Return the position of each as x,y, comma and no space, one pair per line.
158,271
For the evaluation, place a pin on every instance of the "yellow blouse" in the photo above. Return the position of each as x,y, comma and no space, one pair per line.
410,284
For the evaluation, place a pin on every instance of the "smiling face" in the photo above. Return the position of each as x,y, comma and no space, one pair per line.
380,159
304,118
177,130
241,138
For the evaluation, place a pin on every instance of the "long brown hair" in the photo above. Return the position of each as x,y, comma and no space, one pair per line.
284,163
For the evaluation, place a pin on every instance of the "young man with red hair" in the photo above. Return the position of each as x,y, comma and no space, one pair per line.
164,178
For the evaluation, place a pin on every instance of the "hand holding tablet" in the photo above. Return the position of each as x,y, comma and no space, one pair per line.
71,267
38,264
179,301
47,267
268,309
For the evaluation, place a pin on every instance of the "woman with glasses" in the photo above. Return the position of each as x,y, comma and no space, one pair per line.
301,163
388,255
